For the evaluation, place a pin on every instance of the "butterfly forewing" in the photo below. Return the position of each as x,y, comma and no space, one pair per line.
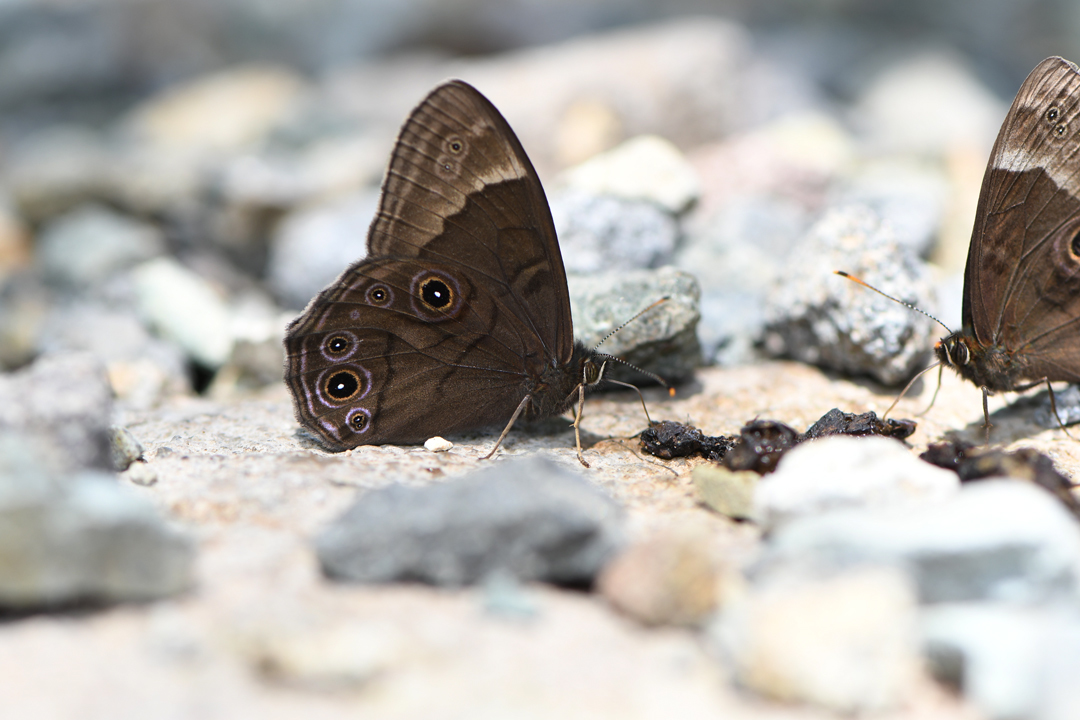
1022,283
460,189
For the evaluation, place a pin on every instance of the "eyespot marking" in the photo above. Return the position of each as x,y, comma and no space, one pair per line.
343,385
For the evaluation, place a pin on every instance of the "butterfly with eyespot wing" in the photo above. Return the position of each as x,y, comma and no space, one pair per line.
459,316
1021,309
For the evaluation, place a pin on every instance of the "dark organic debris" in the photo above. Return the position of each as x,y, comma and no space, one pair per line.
838,422
760,446
975,462
668,440
761,443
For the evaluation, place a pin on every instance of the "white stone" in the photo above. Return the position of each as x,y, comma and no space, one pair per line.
846,642
438,444
646,167
839,472
1003,540
185,309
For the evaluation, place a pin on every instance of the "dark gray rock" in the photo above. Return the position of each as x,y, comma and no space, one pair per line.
599,233
86,246
529,519
663,340
1003,540
820,318
67,401
81,537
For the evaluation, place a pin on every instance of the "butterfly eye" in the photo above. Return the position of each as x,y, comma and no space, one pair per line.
1052,114
378,295
435,293
342,385
337,344
1061,129
963,356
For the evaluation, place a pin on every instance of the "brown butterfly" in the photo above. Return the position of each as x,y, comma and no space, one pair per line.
1021,312
459,316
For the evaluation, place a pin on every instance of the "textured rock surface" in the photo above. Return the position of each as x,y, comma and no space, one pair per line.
529,519
820,318
663,340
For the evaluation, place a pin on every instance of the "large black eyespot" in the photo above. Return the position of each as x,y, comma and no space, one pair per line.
378,295
1074,246
342,385
435,293
1052,114
337,344
455,145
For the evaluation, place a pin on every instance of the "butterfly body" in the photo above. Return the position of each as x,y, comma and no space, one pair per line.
459,316
1021,310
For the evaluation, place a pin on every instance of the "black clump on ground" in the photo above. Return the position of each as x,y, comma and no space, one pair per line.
973,462
760,446
671,440
838,422
761,443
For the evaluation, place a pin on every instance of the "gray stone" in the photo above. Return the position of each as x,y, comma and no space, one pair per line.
646,168
1011,661
530,519
820,318
728,492
86,246
910,196
599,233
908,107
126,448
848,472
186,309
67,538
313,245
663,340
994,540
844,641
736,252
66,399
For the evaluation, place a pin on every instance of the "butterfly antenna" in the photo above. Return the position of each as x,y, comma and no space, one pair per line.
636,316
906,304
654,376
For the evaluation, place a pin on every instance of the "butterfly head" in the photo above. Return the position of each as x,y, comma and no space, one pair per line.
954,350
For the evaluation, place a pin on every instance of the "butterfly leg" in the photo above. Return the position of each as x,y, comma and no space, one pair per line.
577,423
513,419
1053,406
986,414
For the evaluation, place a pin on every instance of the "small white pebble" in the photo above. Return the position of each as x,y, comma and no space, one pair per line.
140,473
438,444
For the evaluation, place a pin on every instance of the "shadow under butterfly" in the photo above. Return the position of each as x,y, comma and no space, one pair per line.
459,316
1021,302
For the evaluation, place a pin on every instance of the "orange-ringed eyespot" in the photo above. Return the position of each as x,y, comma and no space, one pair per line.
342,385
378,295
337,344
435,293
